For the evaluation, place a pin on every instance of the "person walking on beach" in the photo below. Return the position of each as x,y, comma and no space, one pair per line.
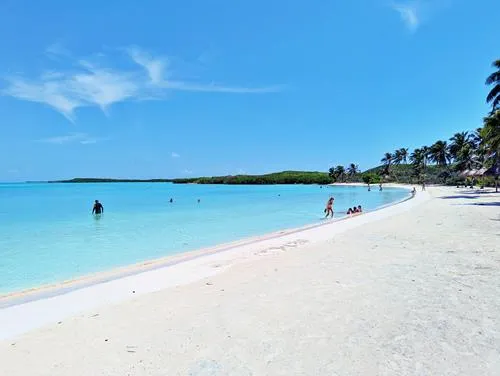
98,208
329,207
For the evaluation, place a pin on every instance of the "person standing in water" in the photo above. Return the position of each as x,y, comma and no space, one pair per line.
329,207
98,208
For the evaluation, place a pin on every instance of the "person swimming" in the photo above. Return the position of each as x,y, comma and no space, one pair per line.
171,200
98,208
329,207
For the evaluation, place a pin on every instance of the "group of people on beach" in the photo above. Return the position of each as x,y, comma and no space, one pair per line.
355,210
329,208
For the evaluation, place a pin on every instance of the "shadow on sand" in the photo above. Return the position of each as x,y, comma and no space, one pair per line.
485,203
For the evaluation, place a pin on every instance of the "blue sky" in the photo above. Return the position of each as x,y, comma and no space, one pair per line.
188,88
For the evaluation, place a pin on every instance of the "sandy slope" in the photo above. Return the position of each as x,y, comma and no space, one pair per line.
417,293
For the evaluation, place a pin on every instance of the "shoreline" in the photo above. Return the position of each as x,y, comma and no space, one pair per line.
409,289
29,310
65,286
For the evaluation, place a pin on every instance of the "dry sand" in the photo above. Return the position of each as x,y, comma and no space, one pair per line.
395,292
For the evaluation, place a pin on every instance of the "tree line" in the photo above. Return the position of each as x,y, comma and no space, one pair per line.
444,160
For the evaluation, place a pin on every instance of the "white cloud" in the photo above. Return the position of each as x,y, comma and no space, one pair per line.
154,67
175,155
94,85
409,13
81,138
187,172
56,50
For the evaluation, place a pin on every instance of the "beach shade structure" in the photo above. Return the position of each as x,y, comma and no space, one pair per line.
480,172
465,173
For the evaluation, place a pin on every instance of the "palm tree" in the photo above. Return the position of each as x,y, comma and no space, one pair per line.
397,158
340,172
417,160
494,94
490,134
331,173
458,141
386,161
438,153
466,159
403,152
352,169
479,146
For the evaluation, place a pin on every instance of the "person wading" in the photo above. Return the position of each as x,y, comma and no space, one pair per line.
98,208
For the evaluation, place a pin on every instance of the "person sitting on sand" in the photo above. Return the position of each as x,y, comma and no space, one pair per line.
349,212
359,209
329,207
98,208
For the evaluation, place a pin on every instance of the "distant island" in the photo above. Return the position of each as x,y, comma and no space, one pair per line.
284,177
402,173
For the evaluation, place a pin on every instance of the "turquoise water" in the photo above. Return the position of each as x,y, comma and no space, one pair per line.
47,232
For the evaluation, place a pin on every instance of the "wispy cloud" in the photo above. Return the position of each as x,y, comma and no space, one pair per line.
57,50
409,13
187,172
81,138
175,155
89,84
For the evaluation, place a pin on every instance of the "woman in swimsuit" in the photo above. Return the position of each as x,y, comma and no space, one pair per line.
329,207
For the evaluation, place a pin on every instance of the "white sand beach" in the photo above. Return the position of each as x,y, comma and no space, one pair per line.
412,289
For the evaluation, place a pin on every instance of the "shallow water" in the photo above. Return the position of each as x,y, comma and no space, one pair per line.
47,232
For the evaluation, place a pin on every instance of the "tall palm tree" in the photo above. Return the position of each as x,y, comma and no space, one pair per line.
466,159
417,158
494,94
386,161
426,152
480,147
340,172
331,173
403,152
438,153
417,162
397,158
458,141
352,169
490,134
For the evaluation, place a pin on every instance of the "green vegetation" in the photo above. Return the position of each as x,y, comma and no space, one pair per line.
285,177
443,162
